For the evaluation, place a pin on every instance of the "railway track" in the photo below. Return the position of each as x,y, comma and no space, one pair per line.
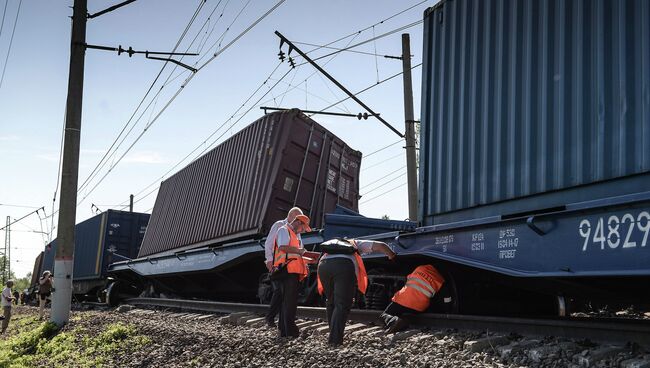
595,329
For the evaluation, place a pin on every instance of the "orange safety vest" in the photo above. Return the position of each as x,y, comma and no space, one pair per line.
295,262
421,285
362,276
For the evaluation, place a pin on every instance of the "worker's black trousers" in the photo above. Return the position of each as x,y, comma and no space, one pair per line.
340,284
287,322
276,302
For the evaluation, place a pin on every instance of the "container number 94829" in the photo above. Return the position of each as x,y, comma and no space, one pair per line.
616,231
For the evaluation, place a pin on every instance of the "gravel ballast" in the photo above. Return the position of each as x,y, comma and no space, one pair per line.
198,340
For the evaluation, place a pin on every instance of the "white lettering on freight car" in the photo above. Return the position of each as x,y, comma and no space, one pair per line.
508,239
615,231
507,254
478,242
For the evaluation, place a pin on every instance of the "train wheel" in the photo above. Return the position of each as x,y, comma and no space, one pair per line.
113,297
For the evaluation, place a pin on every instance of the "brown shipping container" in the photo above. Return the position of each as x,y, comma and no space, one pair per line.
240,188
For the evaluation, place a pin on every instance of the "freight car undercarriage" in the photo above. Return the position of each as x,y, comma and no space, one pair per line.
547,263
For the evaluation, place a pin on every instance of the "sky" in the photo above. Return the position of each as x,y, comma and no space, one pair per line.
217,98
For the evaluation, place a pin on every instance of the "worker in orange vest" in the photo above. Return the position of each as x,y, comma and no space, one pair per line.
421,285
288,259
340,273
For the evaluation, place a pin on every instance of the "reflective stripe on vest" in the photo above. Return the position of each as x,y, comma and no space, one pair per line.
359,270
421,285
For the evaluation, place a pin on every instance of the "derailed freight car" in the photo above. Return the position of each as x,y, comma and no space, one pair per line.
100,241
210,218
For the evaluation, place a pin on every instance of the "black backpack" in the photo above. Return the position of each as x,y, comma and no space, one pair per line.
338,246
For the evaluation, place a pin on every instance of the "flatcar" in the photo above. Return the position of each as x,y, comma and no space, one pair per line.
534,172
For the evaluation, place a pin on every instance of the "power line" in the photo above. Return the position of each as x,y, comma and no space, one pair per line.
368,40
355,34
383,177
17,206
104,159
2,24
366,89
383,148
181,88
383,194
383,161
383,185
209,136
370,27
11,41
345,49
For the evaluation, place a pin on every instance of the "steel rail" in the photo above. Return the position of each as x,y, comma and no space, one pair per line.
595,329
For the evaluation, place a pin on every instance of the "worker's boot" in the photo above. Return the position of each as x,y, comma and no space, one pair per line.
397,324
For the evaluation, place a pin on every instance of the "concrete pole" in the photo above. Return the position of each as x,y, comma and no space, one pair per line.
64,257
411,164
5,275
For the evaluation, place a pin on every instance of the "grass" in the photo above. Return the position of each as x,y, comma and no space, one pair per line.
38,344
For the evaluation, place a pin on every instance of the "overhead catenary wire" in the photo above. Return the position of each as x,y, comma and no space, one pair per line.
383,185
11,42
370,27
401,154
383,194
180,89
383,177
4,12
105,157
212,134
343,49
353,34
413,24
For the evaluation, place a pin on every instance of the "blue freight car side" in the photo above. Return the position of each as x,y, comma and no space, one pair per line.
530,104
608,237
101,240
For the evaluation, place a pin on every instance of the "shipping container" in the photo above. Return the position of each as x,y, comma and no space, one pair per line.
99,241
529,105
241,187
36,273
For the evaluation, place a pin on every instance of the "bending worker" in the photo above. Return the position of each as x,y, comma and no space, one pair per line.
421,285
269,246
288,254
340,273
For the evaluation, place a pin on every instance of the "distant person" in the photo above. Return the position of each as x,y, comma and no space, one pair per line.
340,273
7,299
269,245
421,285
288,256
45,285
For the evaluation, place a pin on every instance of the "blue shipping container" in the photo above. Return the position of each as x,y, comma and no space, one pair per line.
532,104
98,238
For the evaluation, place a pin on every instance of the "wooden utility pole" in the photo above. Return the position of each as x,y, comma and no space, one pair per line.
411,163
64,257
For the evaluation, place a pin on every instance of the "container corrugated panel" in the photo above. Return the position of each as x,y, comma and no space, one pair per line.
36,273
241,187
97,238
524,97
